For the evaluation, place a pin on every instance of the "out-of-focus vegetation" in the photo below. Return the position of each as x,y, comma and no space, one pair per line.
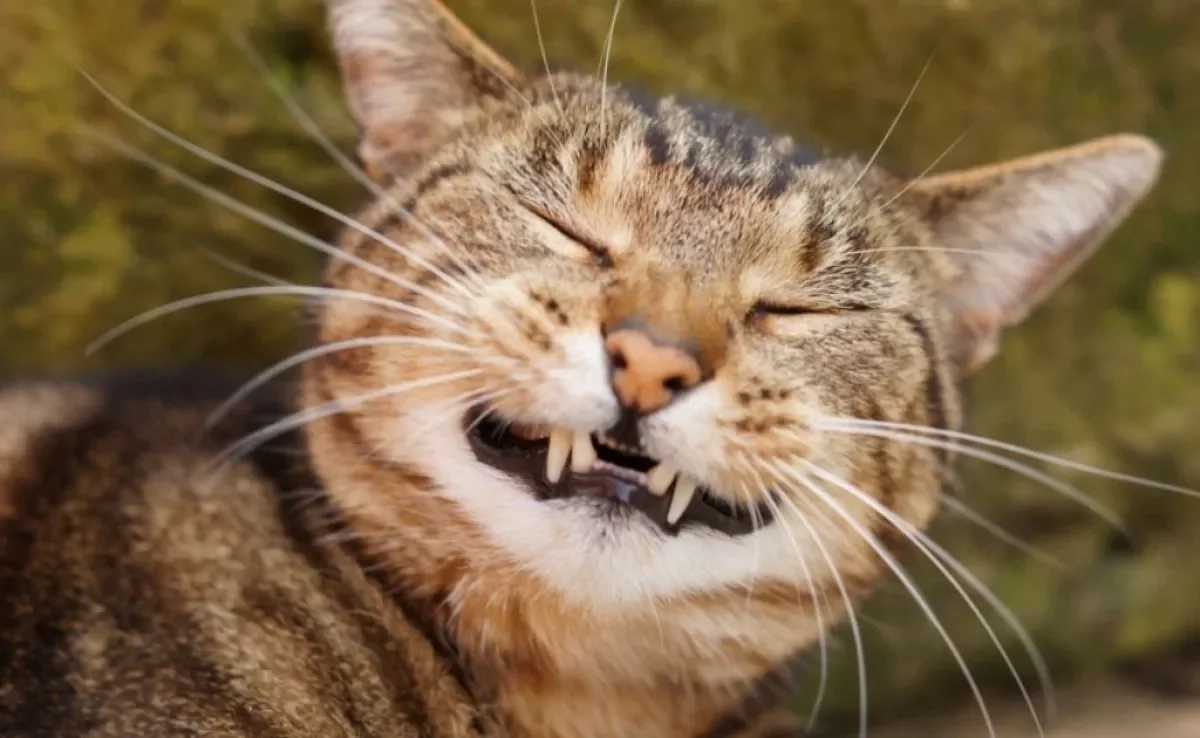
1108,372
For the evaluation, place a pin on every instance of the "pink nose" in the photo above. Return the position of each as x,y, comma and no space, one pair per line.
646,374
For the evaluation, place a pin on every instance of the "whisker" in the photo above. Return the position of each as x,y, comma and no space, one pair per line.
926,545
980,253
933,165
608,44
301,357
310,127
316,205
239,268
891,128
1069,491
1015,449
450,407
332,407
902,575
254,214
851,615
813,590
961,509
537,29
240,292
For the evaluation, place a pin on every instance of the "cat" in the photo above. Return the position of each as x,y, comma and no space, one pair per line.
590,429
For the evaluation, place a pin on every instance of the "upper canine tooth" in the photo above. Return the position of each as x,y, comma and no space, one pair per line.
556,456
583,454
658,479
685,490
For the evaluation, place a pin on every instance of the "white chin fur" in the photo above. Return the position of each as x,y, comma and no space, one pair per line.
601,563
598,561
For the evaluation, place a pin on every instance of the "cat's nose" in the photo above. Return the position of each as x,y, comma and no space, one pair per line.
648,373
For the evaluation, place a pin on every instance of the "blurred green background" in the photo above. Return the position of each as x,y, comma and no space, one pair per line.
1107,373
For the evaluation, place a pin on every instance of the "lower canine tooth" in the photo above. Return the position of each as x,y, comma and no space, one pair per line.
556,455
583,454
659,479
685,490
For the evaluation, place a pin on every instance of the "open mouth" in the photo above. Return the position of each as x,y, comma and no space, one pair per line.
558,463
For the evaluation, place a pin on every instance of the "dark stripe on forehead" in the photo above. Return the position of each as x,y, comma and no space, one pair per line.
658,143
432,179
732,130
591,153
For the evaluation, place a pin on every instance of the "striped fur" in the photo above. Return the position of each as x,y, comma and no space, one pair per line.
424,593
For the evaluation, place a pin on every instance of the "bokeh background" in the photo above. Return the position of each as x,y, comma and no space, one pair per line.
1107,373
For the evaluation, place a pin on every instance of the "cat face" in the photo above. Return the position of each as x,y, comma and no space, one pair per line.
627,363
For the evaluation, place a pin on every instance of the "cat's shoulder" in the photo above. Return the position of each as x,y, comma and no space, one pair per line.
150,589
63,435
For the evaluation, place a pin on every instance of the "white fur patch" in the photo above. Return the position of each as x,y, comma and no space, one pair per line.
601,562
577,393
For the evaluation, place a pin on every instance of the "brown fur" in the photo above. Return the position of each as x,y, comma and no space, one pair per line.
519,221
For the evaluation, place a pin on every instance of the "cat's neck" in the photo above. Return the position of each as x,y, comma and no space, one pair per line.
530,683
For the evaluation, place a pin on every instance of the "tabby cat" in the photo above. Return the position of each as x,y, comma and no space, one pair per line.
578,440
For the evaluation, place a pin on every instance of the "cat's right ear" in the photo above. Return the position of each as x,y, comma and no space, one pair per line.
412,73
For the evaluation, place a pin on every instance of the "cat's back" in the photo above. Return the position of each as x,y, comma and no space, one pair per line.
147,592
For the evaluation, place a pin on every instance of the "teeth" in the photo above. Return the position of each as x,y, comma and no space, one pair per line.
685,490
659,479
583,454
556,456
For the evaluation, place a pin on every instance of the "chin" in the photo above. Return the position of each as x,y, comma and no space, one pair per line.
596,522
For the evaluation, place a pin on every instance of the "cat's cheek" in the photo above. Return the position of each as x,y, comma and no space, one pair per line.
574,390
689,435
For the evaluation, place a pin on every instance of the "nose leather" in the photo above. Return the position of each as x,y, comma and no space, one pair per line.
646,373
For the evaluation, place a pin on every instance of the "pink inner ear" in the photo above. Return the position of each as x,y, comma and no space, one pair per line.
1015,231
411,72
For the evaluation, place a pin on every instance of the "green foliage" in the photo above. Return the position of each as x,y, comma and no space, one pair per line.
1106,373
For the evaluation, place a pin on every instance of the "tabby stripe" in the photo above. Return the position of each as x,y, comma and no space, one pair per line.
398,216
935,404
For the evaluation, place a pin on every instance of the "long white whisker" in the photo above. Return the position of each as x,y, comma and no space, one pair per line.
903,576
259,216
891,129
981,253
324,350
1012,448
933,165
813,590
537,29
1069,491
314,131
851,616
331,407
452,406
290,193
608,44
926,546
913,183
266,291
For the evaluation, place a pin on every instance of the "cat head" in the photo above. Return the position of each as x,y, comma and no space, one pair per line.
617,384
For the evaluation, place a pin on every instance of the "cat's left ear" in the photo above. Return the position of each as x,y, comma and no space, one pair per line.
413,74
1015,231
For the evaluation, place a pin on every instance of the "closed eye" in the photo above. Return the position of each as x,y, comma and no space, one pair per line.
775,308
764,307
598,252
